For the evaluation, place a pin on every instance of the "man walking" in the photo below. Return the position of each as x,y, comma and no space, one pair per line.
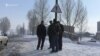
41,33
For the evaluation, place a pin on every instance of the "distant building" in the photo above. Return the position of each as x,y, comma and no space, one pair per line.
98,31
98,26
69,29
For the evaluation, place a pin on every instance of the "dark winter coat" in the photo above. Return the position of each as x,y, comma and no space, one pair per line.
62,29
49,32
41,30
56,29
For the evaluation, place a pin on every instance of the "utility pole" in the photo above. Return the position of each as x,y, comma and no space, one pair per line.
56,9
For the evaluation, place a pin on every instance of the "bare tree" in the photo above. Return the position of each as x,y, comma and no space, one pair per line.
4,25
80,18
33,21
80,13
41,8
20,30
74,12
83,23
38,13
68,10
23,29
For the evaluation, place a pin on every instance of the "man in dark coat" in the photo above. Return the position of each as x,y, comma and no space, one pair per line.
55,31
41,33
50,34
60,36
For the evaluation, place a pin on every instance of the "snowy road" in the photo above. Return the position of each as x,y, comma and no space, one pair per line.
27,47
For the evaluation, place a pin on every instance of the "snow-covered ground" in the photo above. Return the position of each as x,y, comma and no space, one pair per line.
86,39
69,49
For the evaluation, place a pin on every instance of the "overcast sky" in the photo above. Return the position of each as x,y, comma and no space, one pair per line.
16,11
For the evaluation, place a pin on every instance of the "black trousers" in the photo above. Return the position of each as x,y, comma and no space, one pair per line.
55,45
41,41
50,41
60,42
